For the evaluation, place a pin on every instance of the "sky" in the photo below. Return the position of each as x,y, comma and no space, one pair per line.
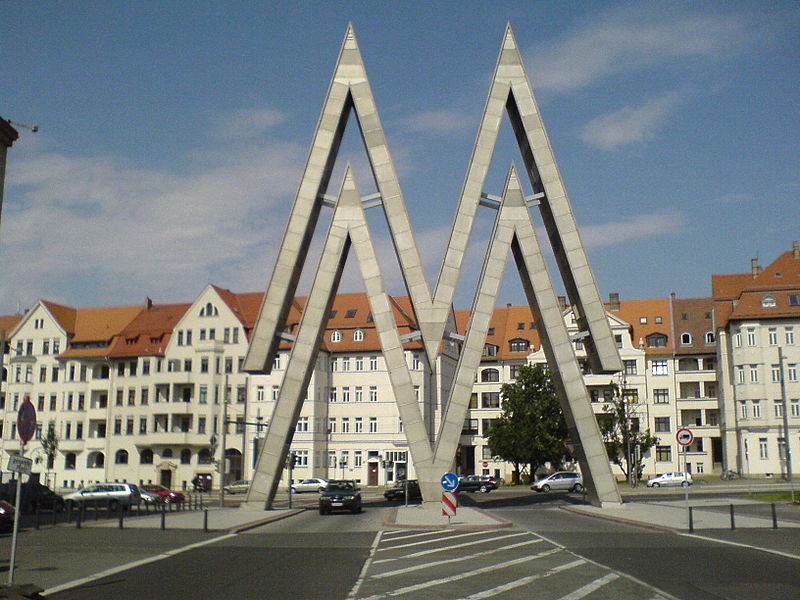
172,137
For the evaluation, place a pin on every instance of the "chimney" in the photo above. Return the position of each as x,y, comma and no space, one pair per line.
508,304
148,303
755,270
562,302
613,300
795,249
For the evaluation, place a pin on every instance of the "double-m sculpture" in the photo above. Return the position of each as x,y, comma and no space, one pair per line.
433,452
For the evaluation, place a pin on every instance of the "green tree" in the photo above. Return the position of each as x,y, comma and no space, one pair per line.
50,445
531,430
625,443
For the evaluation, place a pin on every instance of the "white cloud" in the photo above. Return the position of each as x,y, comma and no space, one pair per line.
246,123
638,227
623,40
439,121
630,124
75,222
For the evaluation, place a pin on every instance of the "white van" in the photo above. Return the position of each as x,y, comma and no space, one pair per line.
112,494
681,479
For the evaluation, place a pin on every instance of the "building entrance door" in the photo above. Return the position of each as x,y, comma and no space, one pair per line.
166,478
372,474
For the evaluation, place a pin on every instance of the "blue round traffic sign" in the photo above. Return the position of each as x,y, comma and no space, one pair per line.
449,481
26,420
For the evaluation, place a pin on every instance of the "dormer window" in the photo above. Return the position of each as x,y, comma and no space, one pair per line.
768,301
209,310
643,320
336,336
686,339
489,350
358,335
710,337
518,345
656,340
350,314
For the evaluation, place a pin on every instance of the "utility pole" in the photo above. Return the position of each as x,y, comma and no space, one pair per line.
223,457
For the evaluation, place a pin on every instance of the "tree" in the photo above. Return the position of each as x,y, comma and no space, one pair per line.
50,445
625,443
531,430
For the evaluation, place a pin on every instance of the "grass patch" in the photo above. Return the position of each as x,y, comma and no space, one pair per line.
776,497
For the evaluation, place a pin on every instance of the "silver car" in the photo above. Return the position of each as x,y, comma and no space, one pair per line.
315,484
681,479
560,480
111,494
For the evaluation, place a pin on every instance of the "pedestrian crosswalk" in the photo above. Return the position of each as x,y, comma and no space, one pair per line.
479,565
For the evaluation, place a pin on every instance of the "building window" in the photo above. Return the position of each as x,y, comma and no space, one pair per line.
776,373
518,345
489,350
373,425
359,426
789,336
346,394
358,335
796,408
751,337
792,373
753,373
332,394
373,393
490,376
416,364
490,400
69,461
209,310
359,363
768,301
643,320
773,336
373,363
710,338
737,339
778,408
743,409
630,367
662,424
656,340
660,367
661,396
143,425
740,374
763,452
336,336
359,394
756,409
121,457
686,339
663,453
146,457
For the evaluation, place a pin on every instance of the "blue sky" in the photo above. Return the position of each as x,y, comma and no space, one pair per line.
173,136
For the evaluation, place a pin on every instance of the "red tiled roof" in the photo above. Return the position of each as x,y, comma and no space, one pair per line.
8,323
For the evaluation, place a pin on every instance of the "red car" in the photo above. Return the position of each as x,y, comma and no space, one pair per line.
165,495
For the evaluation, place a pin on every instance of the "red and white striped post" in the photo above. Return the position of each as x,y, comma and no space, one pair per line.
448,505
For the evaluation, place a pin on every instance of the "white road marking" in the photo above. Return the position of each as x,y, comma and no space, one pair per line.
434,550
409,536
354,591
459,576
587,589
452,537
452,560
501,589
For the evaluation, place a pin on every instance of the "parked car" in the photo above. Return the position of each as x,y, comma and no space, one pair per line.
6,516
165,494
666,479
112,494
150,499
34,496
477,483
315,484
237,487
398,491
340,494
560,480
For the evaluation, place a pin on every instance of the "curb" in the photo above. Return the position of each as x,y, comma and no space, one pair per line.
623,520
500,523
265,520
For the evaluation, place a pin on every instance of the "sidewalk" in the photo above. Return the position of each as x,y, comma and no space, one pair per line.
673,514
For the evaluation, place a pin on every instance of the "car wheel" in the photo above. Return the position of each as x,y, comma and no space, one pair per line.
656,485
357,510
577,487
684,483
545,488
484,489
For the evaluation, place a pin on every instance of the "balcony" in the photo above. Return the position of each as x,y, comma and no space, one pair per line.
171,438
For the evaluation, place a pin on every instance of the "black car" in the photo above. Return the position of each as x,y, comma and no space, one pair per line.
33,496
6,516
398,492
477,483
340,494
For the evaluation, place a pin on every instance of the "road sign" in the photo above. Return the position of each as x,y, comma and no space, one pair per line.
19,464
684,436
449,481
26,420
485,464
448,504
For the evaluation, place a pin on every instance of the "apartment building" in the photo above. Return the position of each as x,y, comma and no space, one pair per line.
757,322
156,393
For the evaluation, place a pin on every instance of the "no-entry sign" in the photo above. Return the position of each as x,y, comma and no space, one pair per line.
684,436
26,420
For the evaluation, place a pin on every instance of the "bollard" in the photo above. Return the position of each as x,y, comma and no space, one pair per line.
774,517
691,520
36,524
120,514
69,512
733,519
80,515
205,521
163,518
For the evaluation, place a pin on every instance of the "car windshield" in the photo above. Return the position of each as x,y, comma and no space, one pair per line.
341,486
